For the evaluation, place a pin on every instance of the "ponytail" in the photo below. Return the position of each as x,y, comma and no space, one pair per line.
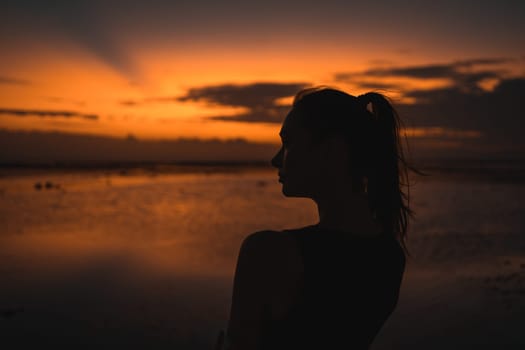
387,169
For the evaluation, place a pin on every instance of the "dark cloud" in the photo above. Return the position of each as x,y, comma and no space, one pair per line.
13,81
273,114
435,70
46,113
250,95
259,98
464,73
497,114
425,71
482,61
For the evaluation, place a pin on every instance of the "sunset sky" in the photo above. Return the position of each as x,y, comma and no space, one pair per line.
228,69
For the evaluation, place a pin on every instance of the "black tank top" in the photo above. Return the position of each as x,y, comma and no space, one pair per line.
351,286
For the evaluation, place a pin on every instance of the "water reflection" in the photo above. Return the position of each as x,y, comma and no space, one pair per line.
127,259
147,261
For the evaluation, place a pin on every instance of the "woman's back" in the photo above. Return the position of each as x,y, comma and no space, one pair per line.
349,287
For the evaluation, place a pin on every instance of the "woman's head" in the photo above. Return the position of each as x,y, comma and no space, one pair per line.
332,140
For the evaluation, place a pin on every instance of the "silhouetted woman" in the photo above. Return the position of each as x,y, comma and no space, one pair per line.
331,285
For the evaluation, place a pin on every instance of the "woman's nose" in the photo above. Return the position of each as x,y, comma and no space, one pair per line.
277,160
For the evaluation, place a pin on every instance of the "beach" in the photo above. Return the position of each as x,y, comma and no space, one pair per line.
145,259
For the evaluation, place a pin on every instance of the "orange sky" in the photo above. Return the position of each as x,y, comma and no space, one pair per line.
61,70
80,82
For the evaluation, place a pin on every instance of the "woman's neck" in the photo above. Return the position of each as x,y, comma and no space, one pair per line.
347,212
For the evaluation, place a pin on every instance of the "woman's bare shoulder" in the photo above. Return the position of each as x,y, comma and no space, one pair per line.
276,241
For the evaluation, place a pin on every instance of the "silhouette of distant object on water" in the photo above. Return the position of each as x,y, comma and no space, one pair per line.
48,185
332,284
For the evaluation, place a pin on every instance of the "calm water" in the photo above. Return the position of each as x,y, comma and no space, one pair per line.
112,259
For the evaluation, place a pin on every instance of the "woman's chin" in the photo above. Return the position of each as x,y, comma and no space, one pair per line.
285,190
290,192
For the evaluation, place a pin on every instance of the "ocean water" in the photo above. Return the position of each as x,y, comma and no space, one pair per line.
146,259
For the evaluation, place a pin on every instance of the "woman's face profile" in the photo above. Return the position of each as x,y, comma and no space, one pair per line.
304,167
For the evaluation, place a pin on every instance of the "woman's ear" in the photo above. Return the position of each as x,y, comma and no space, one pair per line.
337,151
